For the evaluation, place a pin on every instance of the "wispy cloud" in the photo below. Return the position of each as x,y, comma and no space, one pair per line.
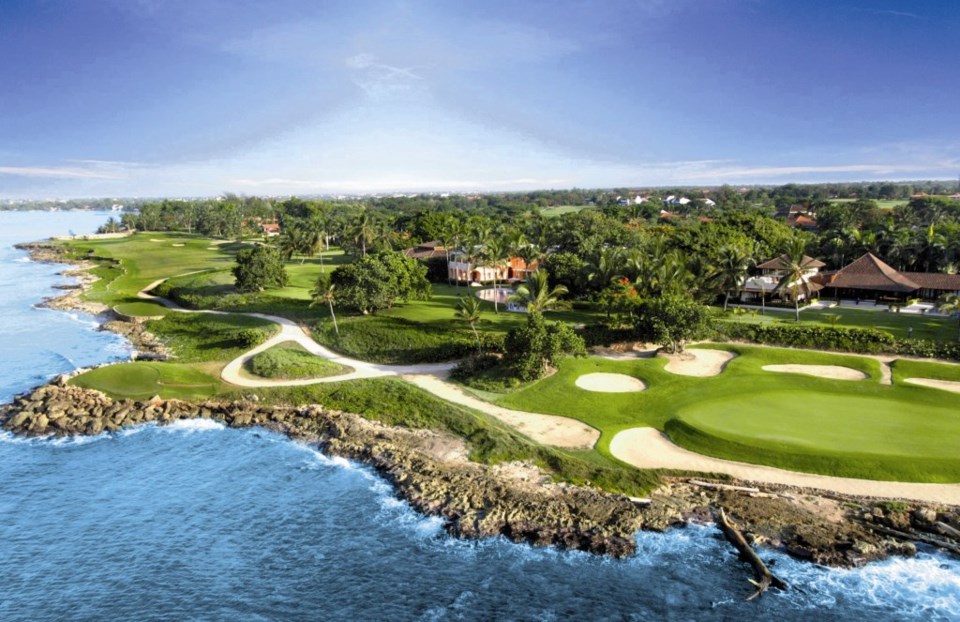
59,172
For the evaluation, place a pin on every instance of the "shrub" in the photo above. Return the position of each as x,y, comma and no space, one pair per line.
258,268
251,337
536,345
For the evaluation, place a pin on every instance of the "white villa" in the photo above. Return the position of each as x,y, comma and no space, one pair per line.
772,271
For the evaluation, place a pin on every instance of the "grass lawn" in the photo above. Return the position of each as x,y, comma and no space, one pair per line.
904,368
289,360
898,324
559,210
146,257
854,429
881,203
141,381
199,337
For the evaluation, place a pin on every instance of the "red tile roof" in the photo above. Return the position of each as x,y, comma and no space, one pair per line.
935,280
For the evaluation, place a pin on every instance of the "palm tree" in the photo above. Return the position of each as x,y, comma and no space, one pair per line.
535,294
608,266
951,306
732,271
930,246
289,242
794,278
469,311
495,254
317,235
364,231
324,293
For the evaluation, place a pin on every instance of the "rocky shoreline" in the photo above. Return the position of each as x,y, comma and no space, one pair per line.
431,471
145,344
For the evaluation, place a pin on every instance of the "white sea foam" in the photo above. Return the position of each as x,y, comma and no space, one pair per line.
191,426
22,260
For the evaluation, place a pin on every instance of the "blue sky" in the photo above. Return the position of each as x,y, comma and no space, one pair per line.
197,97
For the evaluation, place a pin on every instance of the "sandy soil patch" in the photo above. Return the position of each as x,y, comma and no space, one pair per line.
546,429
155,240
648,448
700,363
946,385
610,383
626,351
834,372
176,245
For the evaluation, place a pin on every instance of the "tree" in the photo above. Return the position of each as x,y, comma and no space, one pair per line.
538,345
535,294
671,320
469,311
258,268
951,306
323,293
794,277
732,271
380,280
495,255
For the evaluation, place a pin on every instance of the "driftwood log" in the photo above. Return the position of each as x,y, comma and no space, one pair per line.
764,578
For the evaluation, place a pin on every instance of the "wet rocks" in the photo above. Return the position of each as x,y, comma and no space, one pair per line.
427,468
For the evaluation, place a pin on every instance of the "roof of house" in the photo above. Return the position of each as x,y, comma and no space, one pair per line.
270,226
869,272
426,250
935,280
781,262
802,221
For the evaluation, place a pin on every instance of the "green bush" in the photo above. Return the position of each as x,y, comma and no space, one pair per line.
289,360
251,337
842,339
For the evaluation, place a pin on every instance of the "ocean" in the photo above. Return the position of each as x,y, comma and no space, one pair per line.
196,521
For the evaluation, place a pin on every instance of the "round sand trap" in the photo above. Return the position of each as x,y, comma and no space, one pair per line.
610,383
946,385
700,363
176,245
834,372
155,240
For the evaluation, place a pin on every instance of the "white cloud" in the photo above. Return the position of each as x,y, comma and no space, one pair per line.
58,172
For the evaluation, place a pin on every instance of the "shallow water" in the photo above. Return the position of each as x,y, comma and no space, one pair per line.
196,521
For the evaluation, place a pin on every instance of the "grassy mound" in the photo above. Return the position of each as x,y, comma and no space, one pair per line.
290,361
903,369
195,337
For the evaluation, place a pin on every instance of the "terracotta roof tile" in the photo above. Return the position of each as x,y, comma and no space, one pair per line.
869,272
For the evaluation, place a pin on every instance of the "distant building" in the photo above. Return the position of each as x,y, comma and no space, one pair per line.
270,229
460,268
426,250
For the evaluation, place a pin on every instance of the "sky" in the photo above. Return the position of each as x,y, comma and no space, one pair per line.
198,97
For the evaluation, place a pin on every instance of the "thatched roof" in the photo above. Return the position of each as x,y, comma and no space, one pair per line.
870,273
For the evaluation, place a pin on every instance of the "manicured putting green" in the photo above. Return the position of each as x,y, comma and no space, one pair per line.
140,380
828,423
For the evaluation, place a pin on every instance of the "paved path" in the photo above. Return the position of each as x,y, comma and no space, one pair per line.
648,448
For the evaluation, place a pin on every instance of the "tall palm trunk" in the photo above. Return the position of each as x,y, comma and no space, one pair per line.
333,315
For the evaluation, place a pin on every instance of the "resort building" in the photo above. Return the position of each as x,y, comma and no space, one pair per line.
869,278
270,229
461,268
773,271
426,250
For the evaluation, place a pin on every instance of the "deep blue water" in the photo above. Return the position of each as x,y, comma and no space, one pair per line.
198,522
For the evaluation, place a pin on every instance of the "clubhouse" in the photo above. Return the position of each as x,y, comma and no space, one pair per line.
869,278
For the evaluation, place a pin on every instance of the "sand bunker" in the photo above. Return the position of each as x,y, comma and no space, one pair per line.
946,385
155,240
834,372
176,245
701,363
610,383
